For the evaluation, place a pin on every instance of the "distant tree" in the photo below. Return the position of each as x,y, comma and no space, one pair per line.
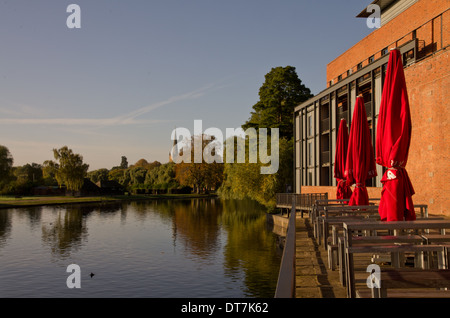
71,170
244,180
6,163
281,92
117,175
49,169
124,163
24,179
29,173
98,175
202,175
137,176
140,163
161,177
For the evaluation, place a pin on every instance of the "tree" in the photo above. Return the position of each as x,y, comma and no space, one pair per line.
24,178
49,169
71,170
6,162
161,177
281,92
244,180
98,175
117,174
31,173
124,163
200,176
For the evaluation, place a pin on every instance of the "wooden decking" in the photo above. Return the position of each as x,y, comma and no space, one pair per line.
313,278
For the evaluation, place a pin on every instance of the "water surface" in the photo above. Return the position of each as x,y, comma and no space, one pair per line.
164,248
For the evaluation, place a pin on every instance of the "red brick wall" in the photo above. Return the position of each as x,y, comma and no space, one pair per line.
428,166
401,26
428,84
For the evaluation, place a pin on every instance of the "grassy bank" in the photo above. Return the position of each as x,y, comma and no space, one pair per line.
13,202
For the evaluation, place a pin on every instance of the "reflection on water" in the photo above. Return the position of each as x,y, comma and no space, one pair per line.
164,248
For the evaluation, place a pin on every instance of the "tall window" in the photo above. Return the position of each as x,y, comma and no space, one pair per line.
310,126
310,153
310,178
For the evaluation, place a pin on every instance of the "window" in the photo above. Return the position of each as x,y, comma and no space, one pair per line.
310,153
359,66
384,51
340,78
371,59
349,72
310,126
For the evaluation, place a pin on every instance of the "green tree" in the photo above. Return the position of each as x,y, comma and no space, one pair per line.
244,180
29,173
49,169
24,178
98,175
137,176
6,162
124,163
161,177
71,170
117,174
281,92
202,175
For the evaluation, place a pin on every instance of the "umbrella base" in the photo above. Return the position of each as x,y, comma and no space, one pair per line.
396,197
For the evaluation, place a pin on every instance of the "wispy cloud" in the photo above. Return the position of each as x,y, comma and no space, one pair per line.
124,119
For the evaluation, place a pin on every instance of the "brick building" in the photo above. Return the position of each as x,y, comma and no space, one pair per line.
420,30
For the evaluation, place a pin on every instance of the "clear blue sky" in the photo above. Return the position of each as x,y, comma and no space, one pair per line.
138,69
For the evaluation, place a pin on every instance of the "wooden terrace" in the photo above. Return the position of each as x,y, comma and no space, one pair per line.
338,251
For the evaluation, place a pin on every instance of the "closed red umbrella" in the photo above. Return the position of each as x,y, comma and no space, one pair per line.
360,164
343,189
392,144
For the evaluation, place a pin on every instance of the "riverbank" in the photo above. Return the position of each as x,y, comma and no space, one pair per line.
7,202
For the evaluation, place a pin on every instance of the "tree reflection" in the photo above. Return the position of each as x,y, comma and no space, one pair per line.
5,226
68,230
33,215
250,248
195,223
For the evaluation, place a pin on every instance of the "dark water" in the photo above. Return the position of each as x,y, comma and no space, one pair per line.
171,248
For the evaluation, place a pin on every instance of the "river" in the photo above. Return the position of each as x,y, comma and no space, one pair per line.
153,249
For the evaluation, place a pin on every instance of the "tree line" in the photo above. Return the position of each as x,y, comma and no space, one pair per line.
280,93
69,171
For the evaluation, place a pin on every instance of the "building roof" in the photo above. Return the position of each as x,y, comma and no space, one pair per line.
382,3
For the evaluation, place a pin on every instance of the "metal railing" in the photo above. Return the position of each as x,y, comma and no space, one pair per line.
286,276
303,201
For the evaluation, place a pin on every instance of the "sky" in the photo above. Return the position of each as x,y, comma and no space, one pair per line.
137,69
